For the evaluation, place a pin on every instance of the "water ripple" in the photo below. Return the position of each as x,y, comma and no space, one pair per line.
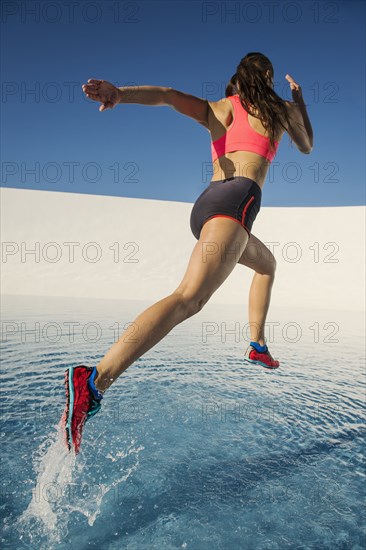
190,435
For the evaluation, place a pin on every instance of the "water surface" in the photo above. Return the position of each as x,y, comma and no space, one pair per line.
194,448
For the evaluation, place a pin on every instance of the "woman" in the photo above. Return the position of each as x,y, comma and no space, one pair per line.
245,127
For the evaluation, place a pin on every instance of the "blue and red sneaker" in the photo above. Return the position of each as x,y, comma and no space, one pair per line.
260,355
83,401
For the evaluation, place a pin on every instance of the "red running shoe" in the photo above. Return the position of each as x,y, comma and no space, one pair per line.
83,400
263,357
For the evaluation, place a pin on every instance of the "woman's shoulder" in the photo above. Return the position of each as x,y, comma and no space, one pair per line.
221,112
222,107
221,103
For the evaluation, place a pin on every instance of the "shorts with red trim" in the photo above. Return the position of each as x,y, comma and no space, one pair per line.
238,198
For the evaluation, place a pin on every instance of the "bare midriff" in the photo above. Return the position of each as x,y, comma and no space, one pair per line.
241,163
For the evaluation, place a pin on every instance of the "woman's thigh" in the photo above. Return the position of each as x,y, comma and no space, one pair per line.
220,246
258,257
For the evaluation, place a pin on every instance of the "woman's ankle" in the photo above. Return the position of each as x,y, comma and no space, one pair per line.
102,381
260,341
261,348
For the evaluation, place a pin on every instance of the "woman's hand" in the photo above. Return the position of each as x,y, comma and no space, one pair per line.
103,91
296,89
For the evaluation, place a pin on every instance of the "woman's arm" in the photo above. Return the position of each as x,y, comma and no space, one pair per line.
186,104
297,128
189,105
307,125
110,96
300,129
145,95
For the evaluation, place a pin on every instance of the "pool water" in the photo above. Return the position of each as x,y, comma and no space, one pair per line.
194,448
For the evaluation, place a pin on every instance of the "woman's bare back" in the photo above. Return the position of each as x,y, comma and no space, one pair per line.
238,163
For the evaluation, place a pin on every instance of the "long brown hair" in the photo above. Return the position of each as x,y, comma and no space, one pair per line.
253,82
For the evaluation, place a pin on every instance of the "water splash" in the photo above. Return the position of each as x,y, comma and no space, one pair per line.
45,515
64,486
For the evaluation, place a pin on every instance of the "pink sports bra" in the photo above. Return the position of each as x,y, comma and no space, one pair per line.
241,136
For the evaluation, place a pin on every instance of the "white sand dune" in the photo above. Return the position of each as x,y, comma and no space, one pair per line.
66,244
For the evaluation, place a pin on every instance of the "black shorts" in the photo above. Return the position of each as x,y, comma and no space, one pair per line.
238,198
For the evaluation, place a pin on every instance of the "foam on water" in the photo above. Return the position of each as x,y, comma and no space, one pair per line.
53,467
54,498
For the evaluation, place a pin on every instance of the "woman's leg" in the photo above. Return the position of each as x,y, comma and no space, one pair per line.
258,257
147,330
221,244
259,300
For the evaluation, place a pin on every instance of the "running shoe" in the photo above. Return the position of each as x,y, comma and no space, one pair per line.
83,401
260,355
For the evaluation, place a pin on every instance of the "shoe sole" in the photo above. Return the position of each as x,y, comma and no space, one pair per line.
259,363
67,417
71,398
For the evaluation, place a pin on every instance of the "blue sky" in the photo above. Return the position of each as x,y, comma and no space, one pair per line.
56,139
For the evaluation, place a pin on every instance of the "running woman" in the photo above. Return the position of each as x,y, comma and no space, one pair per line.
245,128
